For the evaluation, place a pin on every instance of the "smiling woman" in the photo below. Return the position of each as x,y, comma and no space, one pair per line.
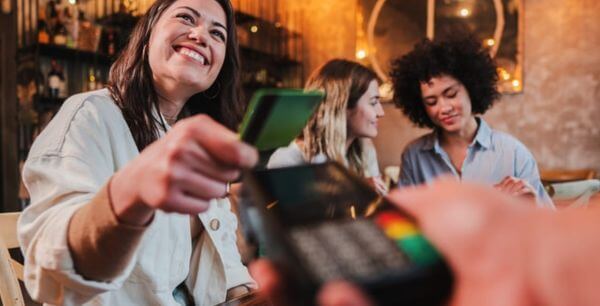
109,169
214,88
443,85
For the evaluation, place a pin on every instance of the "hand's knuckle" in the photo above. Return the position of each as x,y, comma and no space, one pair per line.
175,176
231,175
162,197
172,149
236,155
202,120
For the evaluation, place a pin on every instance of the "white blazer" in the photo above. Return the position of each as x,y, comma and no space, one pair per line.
75,155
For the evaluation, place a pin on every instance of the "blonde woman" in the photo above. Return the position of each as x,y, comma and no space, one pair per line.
344,124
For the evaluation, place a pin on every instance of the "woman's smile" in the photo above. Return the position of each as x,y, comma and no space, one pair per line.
193,54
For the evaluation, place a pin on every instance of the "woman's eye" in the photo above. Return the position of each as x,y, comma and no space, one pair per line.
452,94
219,34
430,102
186,17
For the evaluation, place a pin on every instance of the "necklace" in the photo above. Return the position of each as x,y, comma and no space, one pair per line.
170,120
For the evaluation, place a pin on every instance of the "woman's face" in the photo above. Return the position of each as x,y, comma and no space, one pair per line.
187,46
362,119
447,103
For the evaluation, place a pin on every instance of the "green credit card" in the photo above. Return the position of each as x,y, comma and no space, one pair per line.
276,116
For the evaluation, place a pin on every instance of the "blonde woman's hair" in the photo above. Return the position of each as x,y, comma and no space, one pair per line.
343,82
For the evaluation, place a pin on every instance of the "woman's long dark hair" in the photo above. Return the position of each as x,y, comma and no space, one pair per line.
130,81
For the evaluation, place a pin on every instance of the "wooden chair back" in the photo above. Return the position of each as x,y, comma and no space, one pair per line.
10,270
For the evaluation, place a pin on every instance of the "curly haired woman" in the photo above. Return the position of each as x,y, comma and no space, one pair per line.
444,86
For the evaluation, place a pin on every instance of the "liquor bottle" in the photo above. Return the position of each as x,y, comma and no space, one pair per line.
69,23
52,14
43,34
55,79
91,80
60,34
63,90
99,80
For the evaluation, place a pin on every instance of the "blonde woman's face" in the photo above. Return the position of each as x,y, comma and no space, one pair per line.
187,45
362,119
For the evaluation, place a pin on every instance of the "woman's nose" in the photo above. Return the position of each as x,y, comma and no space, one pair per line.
380,111
446,106
199,34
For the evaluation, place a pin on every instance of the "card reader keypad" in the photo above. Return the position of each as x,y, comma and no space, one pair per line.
361,249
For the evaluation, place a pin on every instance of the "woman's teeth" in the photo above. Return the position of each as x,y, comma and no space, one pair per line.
193,54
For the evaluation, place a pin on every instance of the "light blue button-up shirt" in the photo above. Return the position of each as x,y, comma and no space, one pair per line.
491,157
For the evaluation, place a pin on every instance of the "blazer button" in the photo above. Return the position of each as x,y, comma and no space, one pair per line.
214,224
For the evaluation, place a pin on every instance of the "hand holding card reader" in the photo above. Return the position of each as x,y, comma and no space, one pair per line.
320,223
276,116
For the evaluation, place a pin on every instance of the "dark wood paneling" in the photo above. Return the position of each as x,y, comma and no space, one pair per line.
8,111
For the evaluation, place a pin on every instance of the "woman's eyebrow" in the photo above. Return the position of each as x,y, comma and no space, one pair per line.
449,88
218,24
197,14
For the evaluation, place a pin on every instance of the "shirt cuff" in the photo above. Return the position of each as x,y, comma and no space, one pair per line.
101,245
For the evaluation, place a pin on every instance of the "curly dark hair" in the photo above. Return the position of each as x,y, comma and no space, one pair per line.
463,58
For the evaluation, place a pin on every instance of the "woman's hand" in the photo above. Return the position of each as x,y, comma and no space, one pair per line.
181,171
378,184
516,187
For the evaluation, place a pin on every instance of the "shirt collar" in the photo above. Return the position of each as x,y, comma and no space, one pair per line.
484,134
158,116
431,141
483,137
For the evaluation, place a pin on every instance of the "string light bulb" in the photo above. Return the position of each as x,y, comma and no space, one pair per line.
504,75
516,83
361,54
